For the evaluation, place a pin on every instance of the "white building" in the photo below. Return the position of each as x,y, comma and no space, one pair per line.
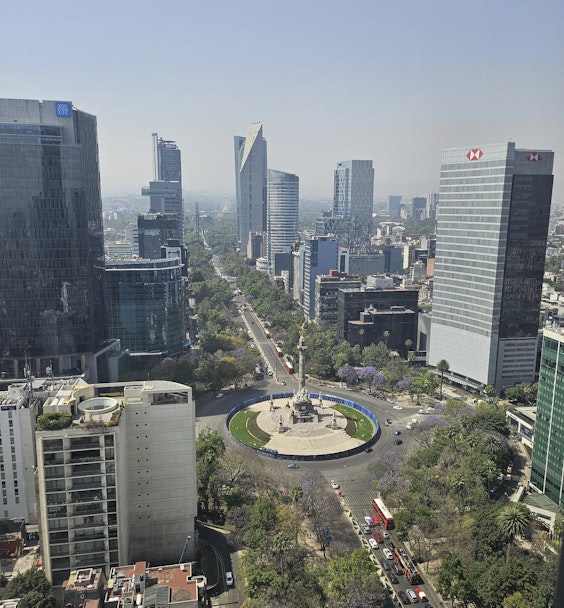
250,183
117,484
282,213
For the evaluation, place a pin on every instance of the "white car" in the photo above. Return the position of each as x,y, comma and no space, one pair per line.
219,395
229,579
372,542
365,528
397,407
334,484
368,520
387,553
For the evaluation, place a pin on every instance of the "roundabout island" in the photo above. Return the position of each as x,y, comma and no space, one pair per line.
301,425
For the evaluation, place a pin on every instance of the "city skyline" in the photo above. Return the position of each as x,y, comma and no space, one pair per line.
402,82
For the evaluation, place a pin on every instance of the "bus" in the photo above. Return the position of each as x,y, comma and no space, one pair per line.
382,514
288,366
278,350
403,560
266,334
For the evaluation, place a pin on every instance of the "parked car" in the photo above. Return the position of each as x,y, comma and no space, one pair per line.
397,432
398,442
334,484
229,579
373,544
293,465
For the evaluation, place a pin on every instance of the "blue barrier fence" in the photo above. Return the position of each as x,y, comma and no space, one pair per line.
274,454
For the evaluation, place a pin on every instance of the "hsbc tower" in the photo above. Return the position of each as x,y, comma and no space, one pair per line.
492,225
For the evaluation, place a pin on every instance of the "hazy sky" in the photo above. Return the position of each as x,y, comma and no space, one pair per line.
393,81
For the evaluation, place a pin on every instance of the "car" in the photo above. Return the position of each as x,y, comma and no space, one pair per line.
421,594
427,606
229,579
397,569
385,534
379,538
387,553
293,465
393,578
388,421
390,545
412,596
403,598
398,442
398,407
368,520
334,484
368,450
397,432
219,395
373,544
385,565
365,528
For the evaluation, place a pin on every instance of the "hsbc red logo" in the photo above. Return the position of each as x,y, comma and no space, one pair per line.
475,154
534,157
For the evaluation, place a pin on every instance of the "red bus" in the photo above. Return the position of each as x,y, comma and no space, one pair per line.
278,350
288,366
266,333
382,514
403,560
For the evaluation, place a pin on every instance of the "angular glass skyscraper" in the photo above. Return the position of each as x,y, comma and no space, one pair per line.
51,238
492,224
353,200
547,469
250,183
282,213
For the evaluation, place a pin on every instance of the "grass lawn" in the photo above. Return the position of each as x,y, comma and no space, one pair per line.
358,425
244,428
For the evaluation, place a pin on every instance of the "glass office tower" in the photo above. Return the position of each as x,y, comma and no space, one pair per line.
547,470
282,213
492,225
51,239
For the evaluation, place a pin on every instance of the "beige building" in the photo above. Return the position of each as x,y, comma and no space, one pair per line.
117,483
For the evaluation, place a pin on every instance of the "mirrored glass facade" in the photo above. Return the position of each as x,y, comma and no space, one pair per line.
51,239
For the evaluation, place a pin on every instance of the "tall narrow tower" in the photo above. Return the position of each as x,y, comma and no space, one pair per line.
282,213
51,253
491,242
250,183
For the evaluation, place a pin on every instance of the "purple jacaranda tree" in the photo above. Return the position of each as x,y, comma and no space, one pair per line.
281,336
348,374
405,383
379,380
392,482
424,430
365,374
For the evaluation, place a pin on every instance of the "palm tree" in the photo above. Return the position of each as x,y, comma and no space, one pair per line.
443,366
514,520
361,333
386,335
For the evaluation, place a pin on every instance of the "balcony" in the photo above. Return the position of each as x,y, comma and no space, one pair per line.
77,458
86,444
86,469
88,509
98,523
54,473
94,535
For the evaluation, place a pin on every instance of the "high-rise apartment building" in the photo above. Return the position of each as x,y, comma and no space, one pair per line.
321,255
165,191
282,213
51,257
353,200
491,240
250,183
117,484
547,468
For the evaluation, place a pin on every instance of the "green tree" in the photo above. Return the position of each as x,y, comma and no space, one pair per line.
516,600
33,589
375,355
443,366
514,520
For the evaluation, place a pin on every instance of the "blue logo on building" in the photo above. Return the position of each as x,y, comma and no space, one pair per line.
63,108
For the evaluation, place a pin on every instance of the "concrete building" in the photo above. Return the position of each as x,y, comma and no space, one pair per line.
491,240
154,230
394,202
547,472
250,183
353,200
326,289
51,284
117,481
367,263
351,303
282,214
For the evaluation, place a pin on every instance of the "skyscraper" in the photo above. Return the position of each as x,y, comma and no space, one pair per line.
547,468
250,183
165,191
282,213
491,240
51,254
353,200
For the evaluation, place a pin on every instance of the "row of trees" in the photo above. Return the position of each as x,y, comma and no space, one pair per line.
442,498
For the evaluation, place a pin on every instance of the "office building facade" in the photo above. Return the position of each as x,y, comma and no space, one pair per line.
250,183
282,213
353,200
145,305
321,255
547,468
51,286
118,484
491,240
